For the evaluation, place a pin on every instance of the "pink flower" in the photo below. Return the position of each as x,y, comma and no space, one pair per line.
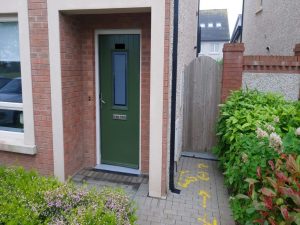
261,133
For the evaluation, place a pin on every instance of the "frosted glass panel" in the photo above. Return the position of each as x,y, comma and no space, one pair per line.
120,70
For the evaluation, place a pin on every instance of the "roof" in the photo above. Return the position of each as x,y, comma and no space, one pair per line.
218,19
237,32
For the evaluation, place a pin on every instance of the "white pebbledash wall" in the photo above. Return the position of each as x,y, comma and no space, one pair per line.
286,84
275,24
187,40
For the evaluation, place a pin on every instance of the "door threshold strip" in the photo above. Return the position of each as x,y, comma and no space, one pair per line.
199,155
118,169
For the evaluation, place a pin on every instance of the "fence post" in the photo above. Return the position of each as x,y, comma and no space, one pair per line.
233,59
297,50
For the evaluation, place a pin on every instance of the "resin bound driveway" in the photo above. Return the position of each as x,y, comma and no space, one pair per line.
203,199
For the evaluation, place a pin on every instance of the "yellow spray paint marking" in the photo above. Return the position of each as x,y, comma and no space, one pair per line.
180,178
202,166
182,172
203,176
205,222
205,196
187,181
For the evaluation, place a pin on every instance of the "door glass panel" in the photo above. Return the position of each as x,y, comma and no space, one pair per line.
120,73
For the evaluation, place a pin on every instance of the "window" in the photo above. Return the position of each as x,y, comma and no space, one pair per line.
210,25
16,128
215,48
202,25
218,25
11,102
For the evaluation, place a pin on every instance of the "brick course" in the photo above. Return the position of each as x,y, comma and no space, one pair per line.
72,88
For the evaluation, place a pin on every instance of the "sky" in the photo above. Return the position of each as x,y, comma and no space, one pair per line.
234,8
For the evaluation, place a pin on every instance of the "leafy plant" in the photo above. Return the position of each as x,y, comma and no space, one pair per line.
254,128
27,198
276,195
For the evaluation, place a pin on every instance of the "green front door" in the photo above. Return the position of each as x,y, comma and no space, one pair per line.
119,63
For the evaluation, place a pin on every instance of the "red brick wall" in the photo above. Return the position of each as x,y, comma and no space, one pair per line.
72,88
82,44
274,64
297,50
165,148
43,160
233,68
235,63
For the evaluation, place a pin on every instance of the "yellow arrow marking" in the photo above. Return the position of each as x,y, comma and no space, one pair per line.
205,222
205,196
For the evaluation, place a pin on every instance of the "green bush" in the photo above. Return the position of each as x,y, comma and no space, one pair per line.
253,128
27,198
276,195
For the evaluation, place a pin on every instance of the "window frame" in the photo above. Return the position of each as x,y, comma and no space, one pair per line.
213,46
21,142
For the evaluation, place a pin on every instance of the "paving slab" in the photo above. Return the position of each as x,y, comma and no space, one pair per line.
203,199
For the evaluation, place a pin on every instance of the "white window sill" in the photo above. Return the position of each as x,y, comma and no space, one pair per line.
18,148
14,142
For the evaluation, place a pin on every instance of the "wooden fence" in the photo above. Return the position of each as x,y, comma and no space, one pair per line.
202,95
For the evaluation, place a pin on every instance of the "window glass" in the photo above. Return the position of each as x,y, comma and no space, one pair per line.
10,70
218,25
10,77
120,67
11,120
202,25
210,25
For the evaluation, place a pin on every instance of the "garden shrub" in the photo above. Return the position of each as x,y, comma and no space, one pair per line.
27,198
253,129
276,195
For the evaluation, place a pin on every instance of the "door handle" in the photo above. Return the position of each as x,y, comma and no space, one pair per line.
101,100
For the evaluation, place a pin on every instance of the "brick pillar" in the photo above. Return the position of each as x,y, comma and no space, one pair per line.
297,50
233,57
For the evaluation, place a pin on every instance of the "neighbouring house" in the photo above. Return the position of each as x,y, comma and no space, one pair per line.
236,36
86,83
271,27
214,32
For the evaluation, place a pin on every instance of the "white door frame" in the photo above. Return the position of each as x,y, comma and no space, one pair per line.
97,89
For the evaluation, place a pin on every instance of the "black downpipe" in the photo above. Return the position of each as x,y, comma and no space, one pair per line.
198,32
242,31
173,98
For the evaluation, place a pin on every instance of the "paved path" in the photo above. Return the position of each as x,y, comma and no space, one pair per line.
203,199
